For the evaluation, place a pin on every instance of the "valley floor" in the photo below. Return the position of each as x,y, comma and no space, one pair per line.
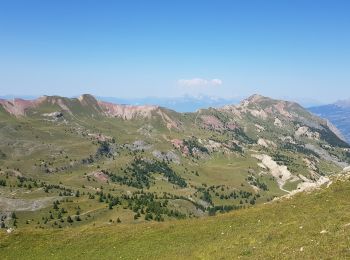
307,226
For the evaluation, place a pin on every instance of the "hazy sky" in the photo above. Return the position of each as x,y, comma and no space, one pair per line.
296,49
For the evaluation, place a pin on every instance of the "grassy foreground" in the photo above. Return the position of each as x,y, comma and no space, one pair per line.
308,226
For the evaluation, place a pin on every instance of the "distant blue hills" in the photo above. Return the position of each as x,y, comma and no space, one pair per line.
337,113
179,104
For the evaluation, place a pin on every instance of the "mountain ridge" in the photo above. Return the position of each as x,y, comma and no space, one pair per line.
104,161
263,106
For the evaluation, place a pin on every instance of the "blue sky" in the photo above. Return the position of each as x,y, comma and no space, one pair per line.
296,49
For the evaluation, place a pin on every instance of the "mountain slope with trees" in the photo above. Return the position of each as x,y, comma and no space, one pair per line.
307,226
77,162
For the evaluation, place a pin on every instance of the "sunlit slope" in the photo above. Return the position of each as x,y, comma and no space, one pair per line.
308,226
74,162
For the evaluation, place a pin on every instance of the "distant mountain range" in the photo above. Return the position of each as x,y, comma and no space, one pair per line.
84,162
186,103
338,114
181,104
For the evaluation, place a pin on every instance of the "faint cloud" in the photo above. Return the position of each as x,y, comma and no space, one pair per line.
199,82
216,82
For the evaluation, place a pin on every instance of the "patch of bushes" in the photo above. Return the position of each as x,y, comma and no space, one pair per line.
192,145
104,149
139,173
257,183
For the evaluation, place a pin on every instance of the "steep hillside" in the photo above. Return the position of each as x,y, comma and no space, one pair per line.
84,162
308,226
85,105
338,114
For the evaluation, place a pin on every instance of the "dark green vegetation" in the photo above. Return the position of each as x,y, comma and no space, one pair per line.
80,163
138,173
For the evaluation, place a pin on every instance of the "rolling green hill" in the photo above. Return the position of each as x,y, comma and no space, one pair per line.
307,226
84,164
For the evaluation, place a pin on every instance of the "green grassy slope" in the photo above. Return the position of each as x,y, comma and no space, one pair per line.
157,166
308,226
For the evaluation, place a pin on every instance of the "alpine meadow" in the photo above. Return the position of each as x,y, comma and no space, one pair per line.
211,129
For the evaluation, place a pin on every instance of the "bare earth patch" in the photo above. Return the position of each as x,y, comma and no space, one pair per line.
100,176
7,204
